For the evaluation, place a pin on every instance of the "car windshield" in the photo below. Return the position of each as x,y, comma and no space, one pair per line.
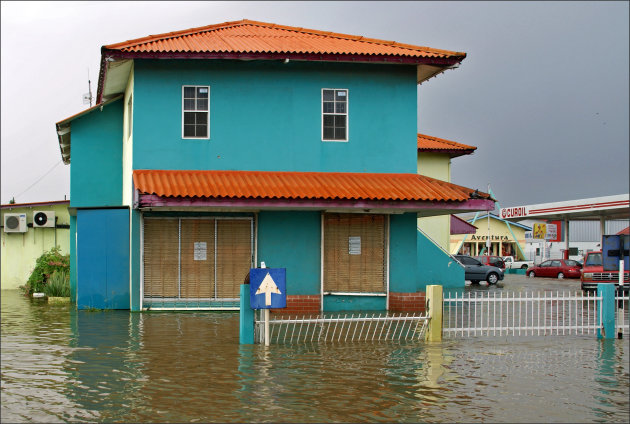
594,259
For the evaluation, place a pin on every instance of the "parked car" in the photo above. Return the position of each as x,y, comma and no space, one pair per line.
593,273
560,268
475,271
512,263
491,260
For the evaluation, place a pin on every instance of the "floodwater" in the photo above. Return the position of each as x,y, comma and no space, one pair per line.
63,365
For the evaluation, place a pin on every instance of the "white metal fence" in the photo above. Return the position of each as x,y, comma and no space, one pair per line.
343,328
521,314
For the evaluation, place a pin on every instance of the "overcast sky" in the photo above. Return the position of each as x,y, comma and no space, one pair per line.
543,92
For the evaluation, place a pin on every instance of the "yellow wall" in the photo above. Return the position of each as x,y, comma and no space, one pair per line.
499,234
438,166
128,143
21,250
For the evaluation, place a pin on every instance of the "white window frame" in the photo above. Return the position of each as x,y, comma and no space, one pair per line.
346,114
196,111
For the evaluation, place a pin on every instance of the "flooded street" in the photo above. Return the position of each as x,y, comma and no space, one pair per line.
59,364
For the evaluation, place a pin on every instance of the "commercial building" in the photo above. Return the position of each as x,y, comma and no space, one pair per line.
213,149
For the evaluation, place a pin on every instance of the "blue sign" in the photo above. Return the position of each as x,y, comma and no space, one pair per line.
268,288
614,248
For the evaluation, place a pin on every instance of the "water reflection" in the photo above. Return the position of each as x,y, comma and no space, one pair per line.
59,364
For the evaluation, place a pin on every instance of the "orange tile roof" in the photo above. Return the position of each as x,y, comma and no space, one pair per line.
246,36
427,143
298,185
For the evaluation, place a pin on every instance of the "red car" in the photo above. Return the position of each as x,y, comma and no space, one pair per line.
560,268
491,260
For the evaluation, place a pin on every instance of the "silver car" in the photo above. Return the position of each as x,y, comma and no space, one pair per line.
475,271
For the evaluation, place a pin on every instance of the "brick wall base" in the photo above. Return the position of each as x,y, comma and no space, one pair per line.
301,305
407,302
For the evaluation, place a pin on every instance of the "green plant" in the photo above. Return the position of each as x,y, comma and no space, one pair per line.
45,266
58,284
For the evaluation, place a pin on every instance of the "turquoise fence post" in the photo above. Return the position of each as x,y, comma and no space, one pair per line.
246,327
607,306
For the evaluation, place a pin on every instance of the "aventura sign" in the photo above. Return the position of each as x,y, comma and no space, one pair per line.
492,238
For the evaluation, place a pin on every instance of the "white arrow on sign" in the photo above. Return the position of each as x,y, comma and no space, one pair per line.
267,287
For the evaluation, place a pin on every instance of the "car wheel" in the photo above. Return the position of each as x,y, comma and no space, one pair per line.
493,278
524,267
560,276
532,274
474,281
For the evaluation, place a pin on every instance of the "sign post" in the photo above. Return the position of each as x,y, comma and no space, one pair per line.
268,290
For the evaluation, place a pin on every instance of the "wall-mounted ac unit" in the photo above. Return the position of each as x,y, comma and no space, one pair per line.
43,219
15,223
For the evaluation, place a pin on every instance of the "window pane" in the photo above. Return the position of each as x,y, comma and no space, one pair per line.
328,95
189,130
189,104
340,133
189,118
340,121
328,133
202,118
202,92
202,104
202,130
189,92
329,120
340,107
329,107
341,95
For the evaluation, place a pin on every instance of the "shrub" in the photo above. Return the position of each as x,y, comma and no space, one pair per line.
45,266
58,284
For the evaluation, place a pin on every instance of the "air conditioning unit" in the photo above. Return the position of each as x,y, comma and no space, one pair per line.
43,219
15,223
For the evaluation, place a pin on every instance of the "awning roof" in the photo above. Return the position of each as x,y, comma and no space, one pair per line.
405,192
427,143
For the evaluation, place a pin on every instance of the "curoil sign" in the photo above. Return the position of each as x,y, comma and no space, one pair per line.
517,212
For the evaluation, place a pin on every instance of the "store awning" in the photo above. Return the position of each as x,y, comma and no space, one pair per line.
387,193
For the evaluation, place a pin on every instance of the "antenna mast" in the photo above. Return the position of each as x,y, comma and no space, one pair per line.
87,97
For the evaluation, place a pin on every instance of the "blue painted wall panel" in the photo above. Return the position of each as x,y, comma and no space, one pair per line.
267,116
436,267
402,256
291,240
73,259
135,260
334,303
103,259
96,170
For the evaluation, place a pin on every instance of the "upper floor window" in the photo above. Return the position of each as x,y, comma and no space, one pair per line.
334,114
196,111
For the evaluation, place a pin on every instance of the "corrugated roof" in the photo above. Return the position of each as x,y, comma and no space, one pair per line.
427,143
299,185
246,36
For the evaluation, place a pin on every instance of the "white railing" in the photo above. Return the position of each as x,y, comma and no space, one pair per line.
343,328
622,319
521,314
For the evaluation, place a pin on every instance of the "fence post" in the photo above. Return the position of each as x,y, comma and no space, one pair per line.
607,306
434,312
246,318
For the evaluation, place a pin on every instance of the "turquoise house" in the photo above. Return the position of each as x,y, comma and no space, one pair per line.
214,149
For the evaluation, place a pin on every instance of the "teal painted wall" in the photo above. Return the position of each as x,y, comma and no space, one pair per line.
436,267
267,116
96,170
292,240
334,303
103,261
402,255
73,259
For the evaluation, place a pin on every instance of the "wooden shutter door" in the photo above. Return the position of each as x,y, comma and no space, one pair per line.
354,253
161,257
234,256
197,258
